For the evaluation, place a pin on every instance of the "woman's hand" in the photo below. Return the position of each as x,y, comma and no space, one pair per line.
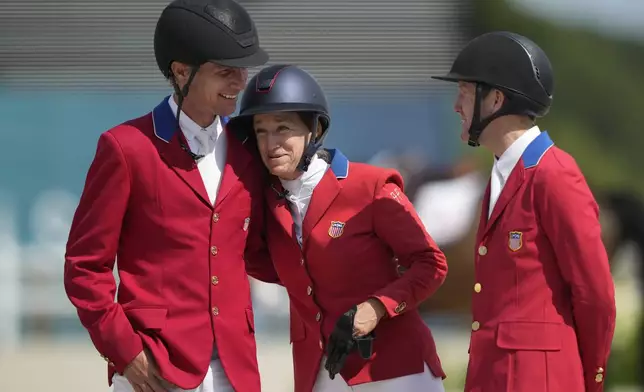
367,317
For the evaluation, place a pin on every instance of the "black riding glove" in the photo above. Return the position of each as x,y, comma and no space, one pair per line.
342,343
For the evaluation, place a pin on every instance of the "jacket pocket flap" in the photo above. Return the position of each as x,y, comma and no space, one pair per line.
529,335
147,318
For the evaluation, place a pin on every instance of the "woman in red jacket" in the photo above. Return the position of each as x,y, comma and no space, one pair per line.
337,232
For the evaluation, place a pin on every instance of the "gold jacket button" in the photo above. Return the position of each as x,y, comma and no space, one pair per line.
477,288
302,261
321,345
599,378
215,217
318,316
475,326
214,280
482,250
309,290
215,311
214,251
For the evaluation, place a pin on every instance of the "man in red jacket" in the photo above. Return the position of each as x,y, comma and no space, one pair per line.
543,309
176,198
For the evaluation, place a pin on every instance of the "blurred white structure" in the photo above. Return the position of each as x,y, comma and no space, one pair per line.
42,261
449,208
9,274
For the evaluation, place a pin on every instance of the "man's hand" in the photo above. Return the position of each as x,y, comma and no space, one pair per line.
144,376
368,315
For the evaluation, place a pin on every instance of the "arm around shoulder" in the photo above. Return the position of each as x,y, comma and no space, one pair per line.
397,224
259,264
91,253
569,215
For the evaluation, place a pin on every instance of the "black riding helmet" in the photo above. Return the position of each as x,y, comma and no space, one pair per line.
510,63
194,32
285,88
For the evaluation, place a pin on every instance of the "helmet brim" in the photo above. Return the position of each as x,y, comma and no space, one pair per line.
282,107
260,57
244,119
453,77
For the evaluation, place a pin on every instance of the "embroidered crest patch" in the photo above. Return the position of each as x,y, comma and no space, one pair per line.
336,229
515,241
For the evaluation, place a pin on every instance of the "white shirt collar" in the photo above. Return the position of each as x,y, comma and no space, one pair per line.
303,186
191,129
506,162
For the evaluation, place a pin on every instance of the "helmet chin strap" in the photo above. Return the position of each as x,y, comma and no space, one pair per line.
312,146
478,125
182,92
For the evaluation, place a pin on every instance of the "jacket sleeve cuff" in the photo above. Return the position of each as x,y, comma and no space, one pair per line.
119,354
595,380
392,307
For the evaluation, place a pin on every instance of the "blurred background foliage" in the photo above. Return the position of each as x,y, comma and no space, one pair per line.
596,113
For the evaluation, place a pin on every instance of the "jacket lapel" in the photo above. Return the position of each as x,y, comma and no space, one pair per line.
530,158
279,208
507,193
323,196
169,144
325,193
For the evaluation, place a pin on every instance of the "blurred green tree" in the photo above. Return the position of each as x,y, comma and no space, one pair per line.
598,101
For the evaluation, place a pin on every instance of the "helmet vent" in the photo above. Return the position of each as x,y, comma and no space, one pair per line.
228,18
264,85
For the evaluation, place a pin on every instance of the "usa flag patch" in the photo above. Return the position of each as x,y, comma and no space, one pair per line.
515,242
336,229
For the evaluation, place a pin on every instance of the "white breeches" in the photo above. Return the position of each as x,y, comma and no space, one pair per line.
215,381
421,382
